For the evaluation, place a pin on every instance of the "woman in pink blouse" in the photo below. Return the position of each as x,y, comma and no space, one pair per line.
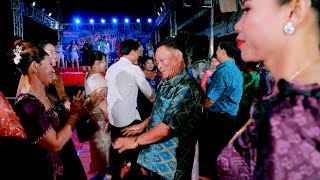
214,63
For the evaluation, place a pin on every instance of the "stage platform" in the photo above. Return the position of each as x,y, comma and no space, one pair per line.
73,78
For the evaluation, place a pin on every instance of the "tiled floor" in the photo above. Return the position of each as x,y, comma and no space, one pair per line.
83,151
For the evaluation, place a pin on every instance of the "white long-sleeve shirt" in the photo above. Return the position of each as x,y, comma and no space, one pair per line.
123,81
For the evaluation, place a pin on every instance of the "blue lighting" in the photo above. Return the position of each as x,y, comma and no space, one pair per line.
102,20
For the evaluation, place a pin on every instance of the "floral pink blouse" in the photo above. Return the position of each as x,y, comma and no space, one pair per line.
205,78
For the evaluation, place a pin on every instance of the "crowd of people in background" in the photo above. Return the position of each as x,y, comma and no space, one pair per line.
254,117
75,56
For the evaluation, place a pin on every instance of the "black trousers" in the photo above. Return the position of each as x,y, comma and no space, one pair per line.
218,128
119,160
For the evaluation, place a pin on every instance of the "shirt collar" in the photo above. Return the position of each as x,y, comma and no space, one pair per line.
226,63
125,60
177,78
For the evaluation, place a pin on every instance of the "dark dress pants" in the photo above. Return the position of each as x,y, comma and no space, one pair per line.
119,160
216,131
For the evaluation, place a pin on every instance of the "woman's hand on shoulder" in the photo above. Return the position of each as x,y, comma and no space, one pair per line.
96,98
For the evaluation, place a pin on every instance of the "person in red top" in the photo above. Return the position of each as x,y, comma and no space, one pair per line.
9,122
118,47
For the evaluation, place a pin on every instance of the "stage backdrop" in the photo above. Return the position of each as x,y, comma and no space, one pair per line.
113,36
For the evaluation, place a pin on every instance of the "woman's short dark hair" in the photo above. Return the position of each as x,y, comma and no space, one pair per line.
145,59
95,55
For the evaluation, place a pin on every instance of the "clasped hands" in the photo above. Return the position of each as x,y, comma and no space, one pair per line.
128,142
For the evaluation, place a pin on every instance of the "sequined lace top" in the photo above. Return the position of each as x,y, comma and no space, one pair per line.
9,122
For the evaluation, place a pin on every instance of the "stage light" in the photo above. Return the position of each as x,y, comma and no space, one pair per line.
160,8
91,21
33,4
43,9
158,13
126,20
149,20
77,21
114,20
103,21
138,20
49,14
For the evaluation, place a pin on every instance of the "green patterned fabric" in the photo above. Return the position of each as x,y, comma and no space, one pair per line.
178,105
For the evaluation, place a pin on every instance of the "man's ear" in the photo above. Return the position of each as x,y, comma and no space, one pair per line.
223,52
298,10
179,56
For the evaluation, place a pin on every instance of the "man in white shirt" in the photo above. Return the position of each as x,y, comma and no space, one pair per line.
124,78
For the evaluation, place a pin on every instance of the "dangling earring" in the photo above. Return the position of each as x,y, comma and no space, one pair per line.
288,28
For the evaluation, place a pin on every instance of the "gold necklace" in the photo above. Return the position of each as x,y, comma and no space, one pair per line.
241,130
39,96
300,70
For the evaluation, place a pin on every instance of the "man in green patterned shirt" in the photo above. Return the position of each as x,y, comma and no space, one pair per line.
168,145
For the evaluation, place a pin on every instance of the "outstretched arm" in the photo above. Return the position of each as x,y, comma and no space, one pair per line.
154,135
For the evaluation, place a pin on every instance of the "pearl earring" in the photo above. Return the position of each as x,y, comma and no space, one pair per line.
288,28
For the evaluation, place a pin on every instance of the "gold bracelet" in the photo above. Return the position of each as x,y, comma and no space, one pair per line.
136,142
74,117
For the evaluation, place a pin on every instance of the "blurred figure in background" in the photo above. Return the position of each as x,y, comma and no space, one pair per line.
144,105
281,140
86,49
74,57
60,60
207,74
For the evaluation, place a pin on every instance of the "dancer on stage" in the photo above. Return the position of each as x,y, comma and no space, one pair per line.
60,51
73,48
